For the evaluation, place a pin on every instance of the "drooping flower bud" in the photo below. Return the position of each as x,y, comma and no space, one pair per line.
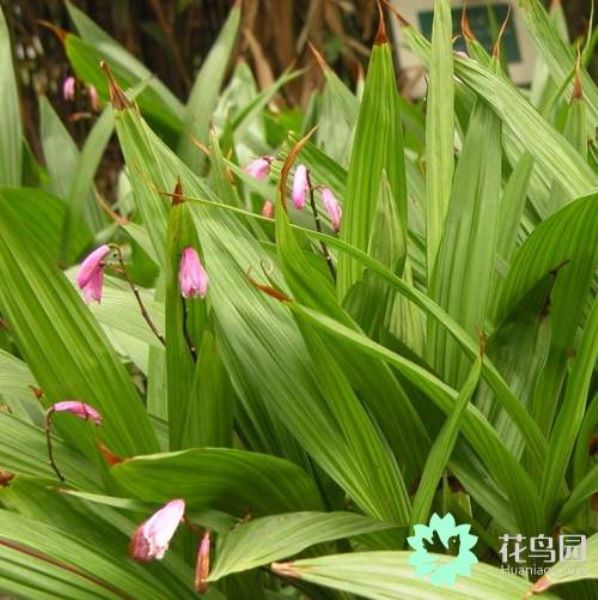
152,538
68,88
202,569
333,208
193,279
94,99
260,167
300,187
268,209
90,277
79,409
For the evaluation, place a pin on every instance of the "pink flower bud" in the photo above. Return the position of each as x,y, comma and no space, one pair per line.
202,569
193,279
94,99
90,277
268,209
300,187
79,409
260,167
333,208
68,88
152,538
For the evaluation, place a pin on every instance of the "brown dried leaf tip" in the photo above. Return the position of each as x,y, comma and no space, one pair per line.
58,31
110,458
466,30
117,96
177,194
540,586
577,80
284,569
37,392
270,291
501,33
381,37
5,478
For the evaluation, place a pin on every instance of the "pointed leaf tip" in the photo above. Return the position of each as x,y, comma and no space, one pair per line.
501,33
58,31
5,478
381,37
466,30
284,569
577,93
177,193
540,586
117,96
318,56
288,164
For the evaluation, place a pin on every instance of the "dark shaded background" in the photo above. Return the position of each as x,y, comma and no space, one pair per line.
171,37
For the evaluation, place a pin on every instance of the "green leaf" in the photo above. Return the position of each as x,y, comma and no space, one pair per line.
27,577
503,465
566,571
210,420
579,496
84,543
15,382
512,205
205,92
442,449
338,114
44,313
23,450
570,416
264,540
83,179
390,576
396,418
467,250
440,129
46,215
158,97
11,140
377,147
558,55
552,152
228,480
566,241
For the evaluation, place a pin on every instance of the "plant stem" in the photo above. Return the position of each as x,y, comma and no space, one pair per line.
137,295
47,426
314,210
186,331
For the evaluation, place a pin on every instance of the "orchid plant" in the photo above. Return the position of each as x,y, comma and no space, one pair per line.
291,348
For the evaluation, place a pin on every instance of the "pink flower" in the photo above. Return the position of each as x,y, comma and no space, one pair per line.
94,100
268,209
333,208
193,279
152,538
90,277
202,569
260,167
300,187
68,88
79,409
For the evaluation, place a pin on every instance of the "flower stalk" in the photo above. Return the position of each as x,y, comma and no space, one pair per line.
314,210
144,313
